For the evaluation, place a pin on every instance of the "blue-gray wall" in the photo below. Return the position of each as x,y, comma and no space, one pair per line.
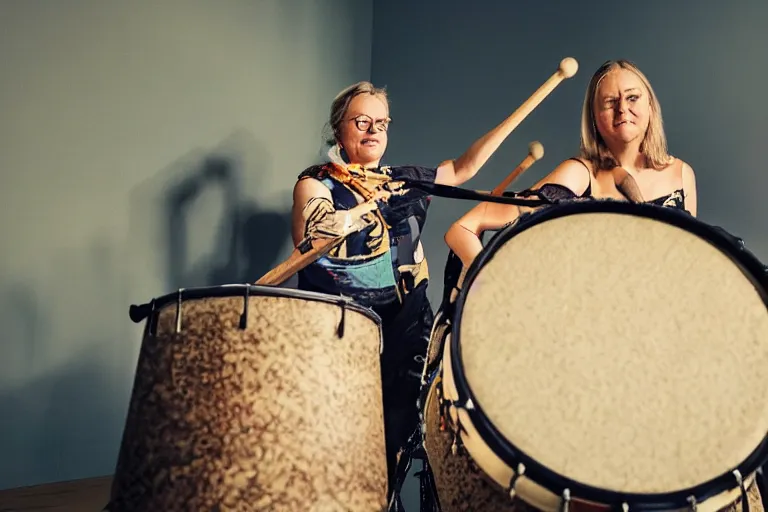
133,136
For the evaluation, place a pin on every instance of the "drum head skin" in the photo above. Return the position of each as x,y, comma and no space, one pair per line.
616,347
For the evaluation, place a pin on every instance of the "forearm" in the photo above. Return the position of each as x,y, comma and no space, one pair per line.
467,165
463,242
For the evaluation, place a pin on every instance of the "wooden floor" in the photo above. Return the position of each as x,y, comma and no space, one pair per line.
87,495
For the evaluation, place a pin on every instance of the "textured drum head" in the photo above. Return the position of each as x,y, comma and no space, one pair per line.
619,351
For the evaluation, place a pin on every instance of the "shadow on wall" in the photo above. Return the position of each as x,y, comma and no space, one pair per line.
212,217
65,368
69,348
248,239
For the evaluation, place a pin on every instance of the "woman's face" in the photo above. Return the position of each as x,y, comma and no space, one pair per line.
622,108
363,130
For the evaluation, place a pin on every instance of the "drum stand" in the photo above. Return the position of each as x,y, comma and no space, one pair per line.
427,491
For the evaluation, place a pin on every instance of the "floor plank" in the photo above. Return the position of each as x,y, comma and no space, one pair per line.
86,495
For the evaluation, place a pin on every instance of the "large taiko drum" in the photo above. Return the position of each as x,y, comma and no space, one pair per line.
253,398
603,356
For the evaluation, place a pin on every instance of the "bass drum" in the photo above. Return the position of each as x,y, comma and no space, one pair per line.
254,398
604,356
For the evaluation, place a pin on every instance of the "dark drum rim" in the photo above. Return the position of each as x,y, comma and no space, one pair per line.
138,313
731,246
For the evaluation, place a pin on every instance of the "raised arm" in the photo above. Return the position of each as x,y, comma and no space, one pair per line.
458,171
463,237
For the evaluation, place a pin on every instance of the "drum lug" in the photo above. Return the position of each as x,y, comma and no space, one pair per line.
744,497
244,314
692,501
469,404
151,319
340,329
178,309
520,471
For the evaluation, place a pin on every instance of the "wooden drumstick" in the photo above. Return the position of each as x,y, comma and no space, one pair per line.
627,185
568,67
297,261
535,152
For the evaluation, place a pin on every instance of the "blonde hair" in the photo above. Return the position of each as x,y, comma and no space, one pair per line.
593,148
341,102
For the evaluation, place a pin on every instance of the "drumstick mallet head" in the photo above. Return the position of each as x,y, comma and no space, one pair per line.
535,152
568,67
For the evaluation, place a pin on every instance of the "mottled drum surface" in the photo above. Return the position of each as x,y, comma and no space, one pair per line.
620,351
461,485
281,416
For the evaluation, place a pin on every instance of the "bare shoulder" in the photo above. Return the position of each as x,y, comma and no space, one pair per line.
307,188
689,188
572,173
687,170
687,174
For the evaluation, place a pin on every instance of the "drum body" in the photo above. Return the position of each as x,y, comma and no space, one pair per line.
603,356
254,398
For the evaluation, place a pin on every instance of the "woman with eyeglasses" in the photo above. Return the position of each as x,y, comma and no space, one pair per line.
381,266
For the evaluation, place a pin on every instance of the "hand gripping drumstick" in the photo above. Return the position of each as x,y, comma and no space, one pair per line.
535,152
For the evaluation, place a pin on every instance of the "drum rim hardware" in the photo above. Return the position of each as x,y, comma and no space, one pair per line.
559,484
147,311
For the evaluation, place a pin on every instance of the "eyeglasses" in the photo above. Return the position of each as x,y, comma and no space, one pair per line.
364,123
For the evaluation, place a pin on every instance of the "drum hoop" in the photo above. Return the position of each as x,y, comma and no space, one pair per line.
143,311
544,476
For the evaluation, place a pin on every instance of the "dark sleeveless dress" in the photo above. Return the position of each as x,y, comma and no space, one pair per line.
555,191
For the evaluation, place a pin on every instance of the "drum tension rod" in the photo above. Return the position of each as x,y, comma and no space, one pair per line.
151,319
178,310
513,481
744,497
244,314
340,330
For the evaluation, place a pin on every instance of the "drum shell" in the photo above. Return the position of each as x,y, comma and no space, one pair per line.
282,413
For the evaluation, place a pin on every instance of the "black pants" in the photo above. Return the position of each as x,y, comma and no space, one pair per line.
406,328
